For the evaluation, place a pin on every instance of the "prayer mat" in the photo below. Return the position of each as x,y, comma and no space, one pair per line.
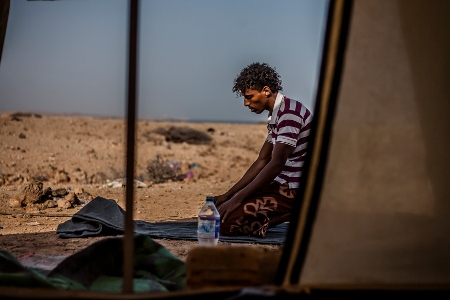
103,217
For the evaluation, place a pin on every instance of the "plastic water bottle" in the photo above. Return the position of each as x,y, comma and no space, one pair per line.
208,223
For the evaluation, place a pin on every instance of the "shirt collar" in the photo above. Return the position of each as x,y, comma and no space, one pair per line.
276,107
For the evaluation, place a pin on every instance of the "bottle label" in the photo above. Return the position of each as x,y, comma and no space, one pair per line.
208,228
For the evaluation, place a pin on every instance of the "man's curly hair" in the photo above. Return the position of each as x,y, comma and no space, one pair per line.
256,76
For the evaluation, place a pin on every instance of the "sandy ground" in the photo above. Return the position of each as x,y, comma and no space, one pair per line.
87,154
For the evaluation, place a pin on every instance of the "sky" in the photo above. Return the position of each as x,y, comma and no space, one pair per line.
70,56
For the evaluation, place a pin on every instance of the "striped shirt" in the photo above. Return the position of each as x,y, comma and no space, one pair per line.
290,124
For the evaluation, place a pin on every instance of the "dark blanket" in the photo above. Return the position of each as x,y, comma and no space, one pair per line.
102,217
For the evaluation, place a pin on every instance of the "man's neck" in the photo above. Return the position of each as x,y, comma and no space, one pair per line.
272,100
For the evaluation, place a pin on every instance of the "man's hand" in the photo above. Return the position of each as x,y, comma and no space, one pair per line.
229,206
218,200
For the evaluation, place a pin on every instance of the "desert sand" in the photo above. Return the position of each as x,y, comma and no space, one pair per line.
86,155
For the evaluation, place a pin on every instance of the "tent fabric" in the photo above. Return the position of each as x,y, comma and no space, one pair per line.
304,211
103,217
98,267
383,197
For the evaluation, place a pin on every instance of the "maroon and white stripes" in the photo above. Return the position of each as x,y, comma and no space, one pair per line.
290,124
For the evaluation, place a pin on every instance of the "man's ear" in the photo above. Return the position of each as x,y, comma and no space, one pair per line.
267,91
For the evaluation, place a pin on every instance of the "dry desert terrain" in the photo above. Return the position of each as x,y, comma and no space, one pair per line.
178,164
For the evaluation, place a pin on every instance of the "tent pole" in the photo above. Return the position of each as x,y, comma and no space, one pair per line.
4,13
128,244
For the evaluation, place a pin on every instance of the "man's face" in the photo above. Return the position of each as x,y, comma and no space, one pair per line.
255,100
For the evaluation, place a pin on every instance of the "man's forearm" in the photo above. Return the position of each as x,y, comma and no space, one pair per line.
262,179
248,177
270,170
